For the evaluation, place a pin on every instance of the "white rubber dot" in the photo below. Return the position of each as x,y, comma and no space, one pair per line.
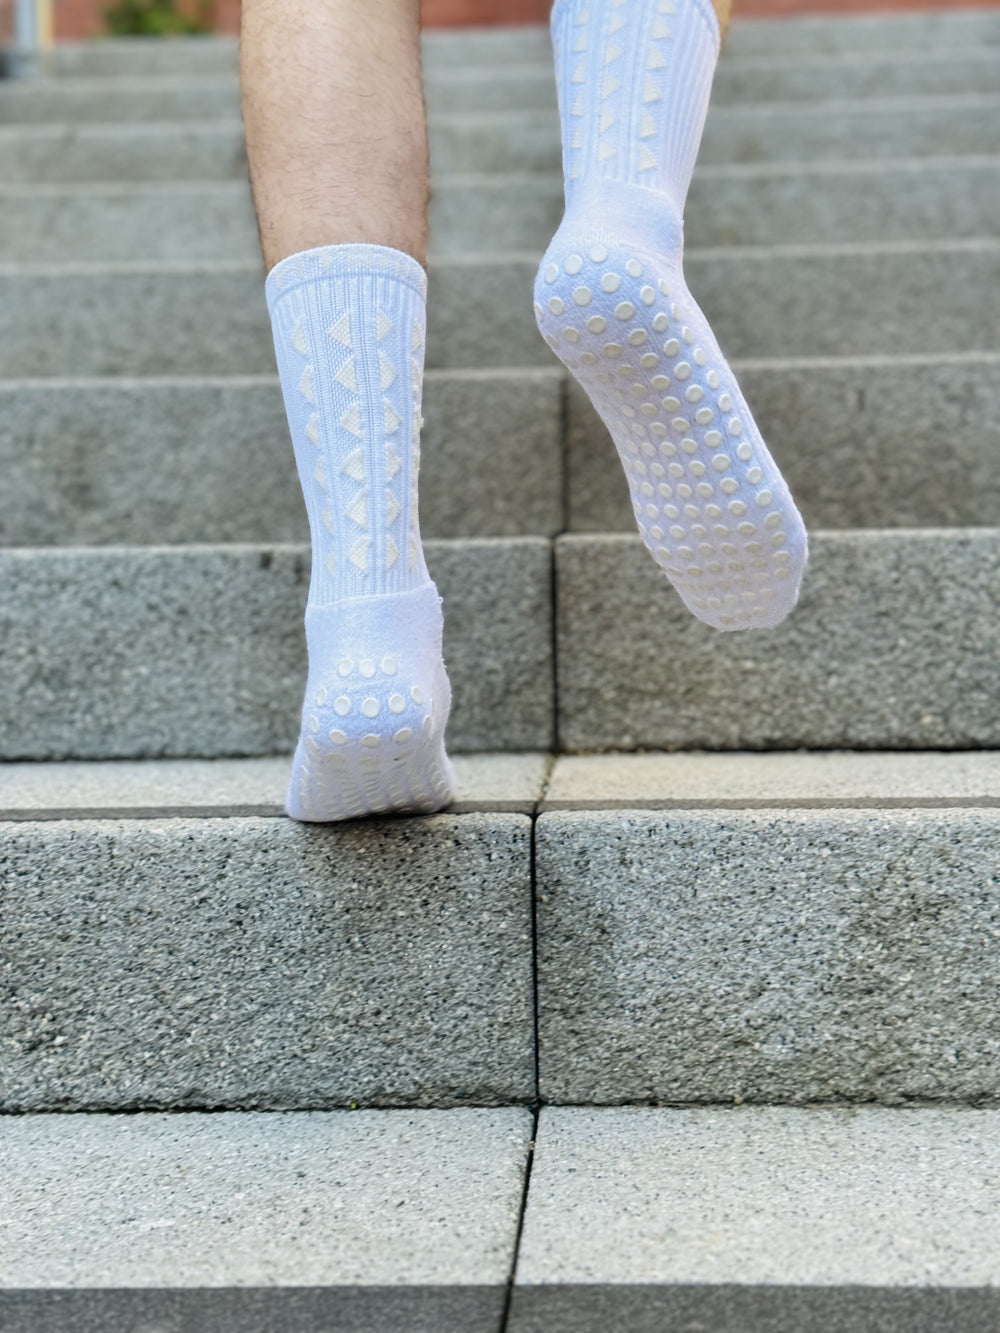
396,703
649,409
703,416
671,403
704,490
687,335
314,724
552,340
588,359
611,282
582,295
370,707
649,360
426,726
597,323
598,253
367,667
403,735
417,694
660,322
637,337
713,439
389,665
764,498
371,740
571,335
683,370
652,511
671,347
755,476
699,356
338,737
551,273
689,446
647,296
321,695
713,511
660,382
737,507
678,532
720,462
342,706
725,402
681,424
633,268
647,489
556,305
664,289
772,520
744,451
345,666
697,469
695,393
746,529
712,379
735,426
612,349
539,310
573,264
624,310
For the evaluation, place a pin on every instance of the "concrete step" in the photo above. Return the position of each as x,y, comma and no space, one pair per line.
893,646
135,462
198,651
244,960
404,1221
760,1218
774,928
838,34
500,85
915,199
895,441
521,140
230,788
209,319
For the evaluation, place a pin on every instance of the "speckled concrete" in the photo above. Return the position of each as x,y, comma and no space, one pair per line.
761,1219
894,644
398,1220
779,956
261,963
199,651
149,461
123,788
788,780
860,442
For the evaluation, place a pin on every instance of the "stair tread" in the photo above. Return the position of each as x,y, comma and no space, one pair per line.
214,788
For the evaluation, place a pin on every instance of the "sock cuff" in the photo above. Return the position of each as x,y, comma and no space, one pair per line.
703,7
343,261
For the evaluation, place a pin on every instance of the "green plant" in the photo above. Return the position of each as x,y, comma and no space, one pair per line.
157,18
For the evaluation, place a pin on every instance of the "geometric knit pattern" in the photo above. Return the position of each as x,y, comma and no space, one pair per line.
634,78
349,326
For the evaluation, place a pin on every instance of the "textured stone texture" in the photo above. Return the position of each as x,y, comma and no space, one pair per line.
126,788
263,963
398,1220
769,1219
186,150
199,651
894,645
793,956
210,319
209,460
870,442
825,778
831,34
756,205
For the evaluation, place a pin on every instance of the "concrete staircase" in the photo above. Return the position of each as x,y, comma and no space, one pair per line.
685,1014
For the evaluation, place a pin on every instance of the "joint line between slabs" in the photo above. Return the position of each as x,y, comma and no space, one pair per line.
529,1163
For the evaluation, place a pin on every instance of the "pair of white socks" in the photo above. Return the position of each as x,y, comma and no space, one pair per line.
634,78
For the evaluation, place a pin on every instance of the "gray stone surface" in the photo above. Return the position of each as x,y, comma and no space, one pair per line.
894,645
262,963
199,651
812,780
143,788
831,34
761,1219
757,205
877,73
393,1219
209,319
209,460
895,441
891,128
777,956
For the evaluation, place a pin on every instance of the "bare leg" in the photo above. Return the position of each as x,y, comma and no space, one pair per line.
724,12
335,127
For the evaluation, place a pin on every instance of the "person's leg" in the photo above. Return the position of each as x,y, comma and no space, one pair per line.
634,78
338,161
